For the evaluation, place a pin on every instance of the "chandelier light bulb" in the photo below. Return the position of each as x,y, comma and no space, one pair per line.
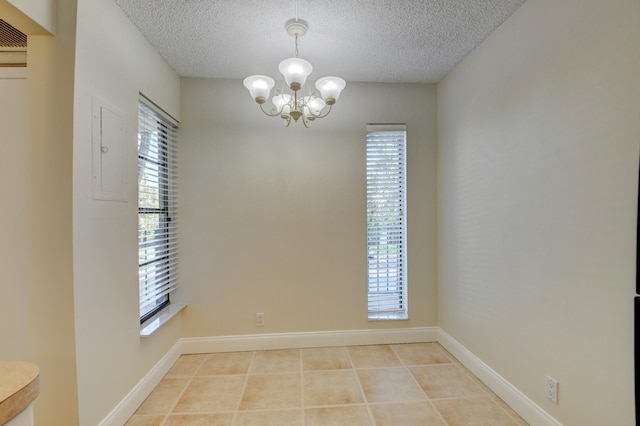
313,106
282,104
330,88
295,72
259,87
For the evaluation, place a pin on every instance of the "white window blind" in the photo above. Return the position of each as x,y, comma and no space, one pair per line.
386,221
157,208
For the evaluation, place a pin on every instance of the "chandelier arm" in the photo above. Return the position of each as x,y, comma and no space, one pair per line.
273,112
306,122
321,115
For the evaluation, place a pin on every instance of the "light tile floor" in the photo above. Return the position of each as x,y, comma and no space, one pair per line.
399,385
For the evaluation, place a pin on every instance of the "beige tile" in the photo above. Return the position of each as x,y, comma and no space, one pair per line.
495,398
406,414
217,419
336,358
210,394
373,356
207,389
351,415
276,361
163,396
335,387
270,417
186,366
445,381
421,353
480,411
225,363
271,391
389,385
142,420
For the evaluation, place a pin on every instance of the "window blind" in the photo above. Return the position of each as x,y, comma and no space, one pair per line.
386,221
157,208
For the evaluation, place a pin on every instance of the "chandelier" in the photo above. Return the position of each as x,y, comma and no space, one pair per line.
295,100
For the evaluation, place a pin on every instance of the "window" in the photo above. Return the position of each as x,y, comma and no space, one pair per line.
157,208
386,221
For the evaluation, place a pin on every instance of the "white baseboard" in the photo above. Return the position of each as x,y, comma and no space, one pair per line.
316,339
519,402
130,403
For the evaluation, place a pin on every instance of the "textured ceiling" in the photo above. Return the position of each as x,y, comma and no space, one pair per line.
412,41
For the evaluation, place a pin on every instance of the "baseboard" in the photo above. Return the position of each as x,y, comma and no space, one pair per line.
255,342
130,403
519,402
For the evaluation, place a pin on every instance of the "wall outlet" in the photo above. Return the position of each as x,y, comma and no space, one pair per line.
551,389
259,319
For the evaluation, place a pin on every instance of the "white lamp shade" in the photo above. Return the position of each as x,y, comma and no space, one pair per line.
330,88
295,71
313,105
259,86
281,103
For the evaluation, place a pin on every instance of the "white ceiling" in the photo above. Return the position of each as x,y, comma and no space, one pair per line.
410,41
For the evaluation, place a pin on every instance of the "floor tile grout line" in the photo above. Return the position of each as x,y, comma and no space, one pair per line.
486,391
301,385
173,406
415,380
354,404
453,398
362,392
244,388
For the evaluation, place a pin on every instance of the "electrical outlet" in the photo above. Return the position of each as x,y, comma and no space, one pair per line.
259,319
551,389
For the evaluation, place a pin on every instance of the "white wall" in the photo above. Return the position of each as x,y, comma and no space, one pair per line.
273,219
41,12
538,154
113,62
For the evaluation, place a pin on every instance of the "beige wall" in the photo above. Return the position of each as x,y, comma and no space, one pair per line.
39,283
113,62
13,225
538,155
273,219
538,158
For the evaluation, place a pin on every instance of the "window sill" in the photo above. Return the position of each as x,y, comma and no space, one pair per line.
151,325
398,316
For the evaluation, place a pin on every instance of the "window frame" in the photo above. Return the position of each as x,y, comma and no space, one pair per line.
157,176
387,289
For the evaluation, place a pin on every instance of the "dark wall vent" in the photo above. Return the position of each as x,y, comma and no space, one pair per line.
13,46
11,37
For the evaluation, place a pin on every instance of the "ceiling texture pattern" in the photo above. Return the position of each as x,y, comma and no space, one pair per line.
394,41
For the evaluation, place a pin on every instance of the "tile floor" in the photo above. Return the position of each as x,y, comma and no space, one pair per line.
399,385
